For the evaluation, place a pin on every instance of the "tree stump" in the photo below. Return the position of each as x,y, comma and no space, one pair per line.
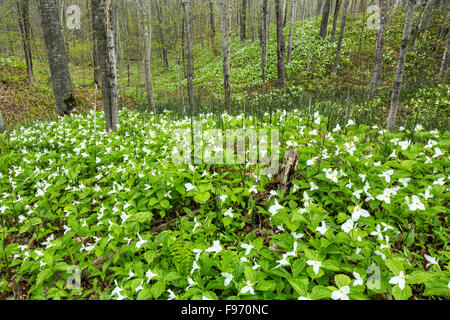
289,168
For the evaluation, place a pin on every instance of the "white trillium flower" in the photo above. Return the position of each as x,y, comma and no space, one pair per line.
189,187
358,280
359,212
322,229
274,208
216,247
248,288
347,226
315,264
399,280
228,278
341,294
247,247
430,259
229,213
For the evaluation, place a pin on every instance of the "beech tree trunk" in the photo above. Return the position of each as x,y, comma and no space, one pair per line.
24,24
324,23
377,69
225,25
243,20
335,18
146,31
57,58
263,36
104,34
190,72
2,124
400,65
341,37
96,63
443,70
418,26
291,29
280,45
213,27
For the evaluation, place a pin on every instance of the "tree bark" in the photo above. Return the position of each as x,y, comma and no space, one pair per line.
341,37
213,27
225,25
190,72
263,38
24,24
96,61
400,65
161,32
2,124
324,22
378,66
104,34
418,26
443,70
280,45
146,31
335,18
243,20
291,29
5,27
57,58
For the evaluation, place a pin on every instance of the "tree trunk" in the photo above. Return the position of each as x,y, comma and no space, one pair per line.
443,72
377,69
400,65
335,18
161,32
291,29
225,25
5,27
263,38
24,24
243,19
324,23
57,58
104,34
2,124
146,31
190,73
341,37
96,63
213,27
280,45
418,26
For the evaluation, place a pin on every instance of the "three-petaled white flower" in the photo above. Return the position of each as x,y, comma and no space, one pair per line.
430,259
229,213
315,264
415,203
358,280
347,226
189,187
228,278
248,288
341,294
322,229
359,212
247,247
216,247
140,242
399,280
387,175
274,208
